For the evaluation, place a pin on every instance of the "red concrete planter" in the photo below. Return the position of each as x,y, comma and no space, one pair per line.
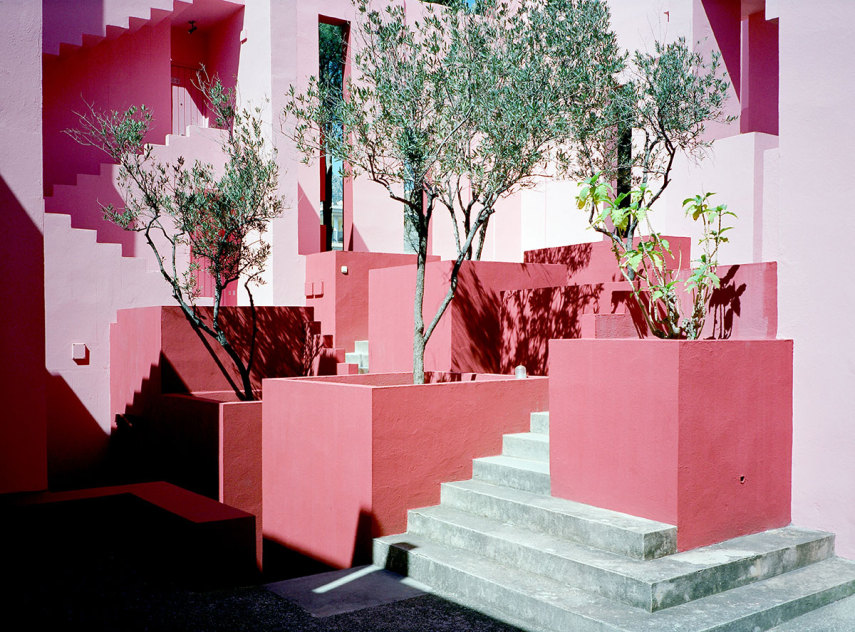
344,457
693,433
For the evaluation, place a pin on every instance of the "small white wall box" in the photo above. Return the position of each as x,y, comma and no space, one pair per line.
79,352
344,269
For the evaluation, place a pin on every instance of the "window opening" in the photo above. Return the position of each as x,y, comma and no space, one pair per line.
331,54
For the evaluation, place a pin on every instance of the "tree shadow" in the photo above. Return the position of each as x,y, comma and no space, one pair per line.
576,257
531,318
726,305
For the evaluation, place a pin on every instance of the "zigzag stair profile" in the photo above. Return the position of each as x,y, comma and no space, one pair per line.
83,199
500,544
120,18
126,280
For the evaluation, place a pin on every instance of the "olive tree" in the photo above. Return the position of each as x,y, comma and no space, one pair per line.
456,110
644,111
219,218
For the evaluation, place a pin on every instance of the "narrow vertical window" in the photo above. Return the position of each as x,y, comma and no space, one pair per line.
331,52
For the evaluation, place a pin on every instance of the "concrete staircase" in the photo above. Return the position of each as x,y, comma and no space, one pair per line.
500,544
359,356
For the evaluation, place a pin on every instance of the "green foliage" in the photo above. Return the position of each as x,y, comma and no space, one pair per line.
180,208
456,109
659,101
672,308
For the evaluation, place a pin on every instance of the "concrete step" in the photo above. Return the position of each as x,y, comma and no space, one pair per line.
620,533
836,617
540,422
649,585
541,603
510,471
526,445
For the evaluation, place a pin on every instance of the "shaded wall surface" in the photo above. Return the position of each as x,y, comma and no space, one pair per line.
337,289
23,456
157,350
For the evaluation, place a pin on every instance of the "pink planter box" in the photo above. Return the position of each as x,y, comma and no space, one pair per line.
697,434
344,457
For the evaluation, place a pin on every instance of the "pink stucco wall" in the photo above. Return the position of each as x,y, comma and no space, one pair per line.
155,349
817,134
333,447
769,180
595,262
209,443
23,458
699,436
339,297
466,339
744,307
113,75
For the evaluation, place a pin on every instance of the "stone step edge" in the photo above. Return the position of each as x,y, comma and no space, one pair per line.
514,472
650,585
603,529
557,607
526,445
539,422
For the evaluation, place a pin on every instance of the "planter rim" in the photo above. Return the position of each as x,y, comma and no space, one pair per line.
217,397
358,381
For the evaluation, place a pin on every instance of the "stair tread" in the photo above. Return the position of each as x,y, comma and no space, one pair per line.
539,437
739,606
532,465
552,504
651,572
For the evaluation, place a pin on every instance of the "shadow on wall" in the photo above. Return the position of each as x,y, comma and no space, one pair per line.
476,327
744,306
22,339
192,361
576,257
530,318
726,305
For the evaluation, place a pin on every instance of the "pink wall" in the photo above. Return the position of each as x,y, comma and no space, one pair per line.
333,447
759,93
817,134
744,307
23,458
73,24
466,339
531,318
340,300
154,349
708,449
716,27
115,74
135,343
240,461
594,262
